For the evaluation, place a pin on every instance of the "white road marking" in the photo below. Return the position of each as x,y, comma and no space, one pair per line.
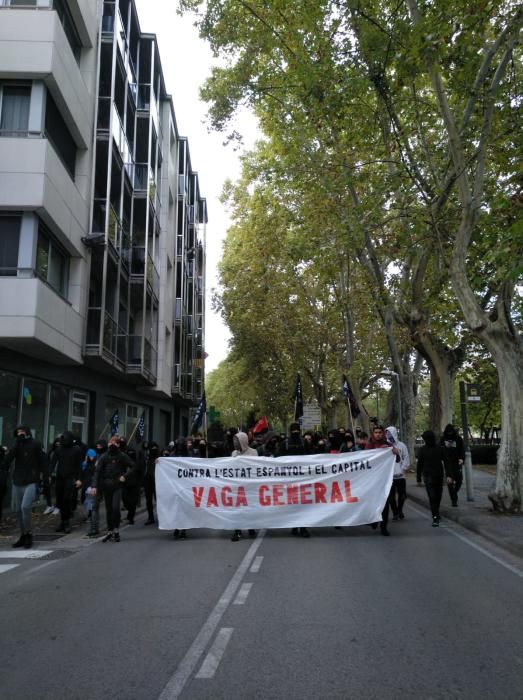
24,553
189,662
256,565
213,658
7,567
40,566
242,594
451,526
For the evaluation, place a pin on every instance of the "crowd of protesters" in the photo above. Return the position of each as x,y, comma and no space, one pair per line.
112,472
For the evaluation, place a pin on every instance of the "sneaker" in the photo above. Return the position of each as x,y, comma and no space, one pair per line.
454,504
401,516
48,510
252,533
384,532
55,511
435,521
176,534
28,540
236,536
108,537
304,532
395,517
149,521
183,535
130,521
116,537
67,528
295,531
19,542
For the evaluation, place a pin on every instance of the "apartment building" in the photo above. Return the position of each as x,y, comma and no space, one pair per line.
102,228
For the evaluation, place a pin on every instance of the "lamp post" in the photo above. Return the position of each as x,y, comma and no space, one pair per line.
391,373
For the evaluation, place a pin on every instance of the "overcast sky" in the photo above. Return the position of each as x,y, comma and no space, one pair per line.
186,62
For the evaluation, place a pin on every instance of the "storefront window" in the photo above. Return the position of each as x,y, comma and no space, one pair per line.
34,399
9,395
58,412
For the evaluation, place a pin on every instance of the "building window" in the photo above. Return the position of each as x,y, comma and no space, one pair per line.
52,263
9,242
14,109
64,14
57,132
21,3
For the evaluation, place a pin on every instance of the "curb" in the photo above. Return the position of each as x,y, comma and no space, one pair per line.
472,524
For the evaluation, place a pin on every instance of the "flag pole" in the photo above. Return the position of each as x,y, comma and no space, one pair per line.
351,421
103,432
134,430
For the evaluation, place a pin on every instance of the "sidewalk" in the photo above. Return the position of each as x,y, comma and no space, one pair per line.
506,531
44,526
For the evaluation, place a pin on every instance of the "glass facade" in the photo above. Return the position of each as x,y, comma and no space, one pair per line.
45,407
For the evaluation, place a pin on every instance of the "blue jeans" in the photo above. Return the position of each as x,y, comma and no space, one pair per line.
23,497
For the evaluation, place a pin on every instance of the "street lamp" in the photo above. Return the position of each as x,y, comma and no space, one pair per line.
391,373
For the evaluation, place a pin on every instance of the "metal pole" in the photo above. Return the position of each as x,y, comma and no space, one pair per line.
468,457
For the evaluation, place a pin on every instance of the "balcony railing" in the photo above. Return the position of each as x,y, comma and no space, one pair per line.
142,265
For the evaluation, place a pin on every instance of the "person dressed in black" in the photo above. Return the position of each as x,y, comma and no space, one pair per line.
153,452
433,469
454,450
66,466
294,445
133,480
30,469
112,470
4,473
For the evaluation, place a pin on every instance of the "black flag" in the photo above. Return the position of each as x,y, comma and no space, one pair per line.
114,423
350,398
198,416
298,399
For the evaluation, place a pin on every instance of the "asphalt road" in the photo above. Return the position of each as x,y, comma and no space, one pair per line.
426,613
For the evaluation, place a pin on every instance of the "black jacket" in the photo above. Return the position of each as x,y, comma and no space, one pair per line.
110,467
30,461
66,463
431,464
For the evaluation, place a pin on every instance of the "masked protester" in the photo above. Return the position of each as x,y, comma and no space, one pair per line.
100,449
66,465
149,481
398,490
30,467
112,470
454,451
432,467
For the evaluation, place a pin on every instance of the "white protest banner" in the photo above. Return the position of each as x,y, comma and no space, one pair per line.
261,492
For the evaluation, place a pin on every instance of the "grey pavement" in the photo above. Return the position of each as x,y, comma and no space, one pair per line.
506,531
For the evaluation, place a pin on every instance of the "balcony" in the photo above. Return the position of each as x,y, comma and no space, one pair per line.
129,354
142,266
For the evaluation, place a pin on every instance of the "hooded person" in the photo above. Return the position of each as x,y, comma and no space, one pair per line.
66,466
241,449
30,467
398,489
241,446
454,451
433,468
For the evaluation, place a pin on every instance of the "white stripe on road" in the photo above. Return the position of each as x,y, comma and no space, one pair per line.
189,662
213,658
256,565
452,528
7,567
24,553
242,594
